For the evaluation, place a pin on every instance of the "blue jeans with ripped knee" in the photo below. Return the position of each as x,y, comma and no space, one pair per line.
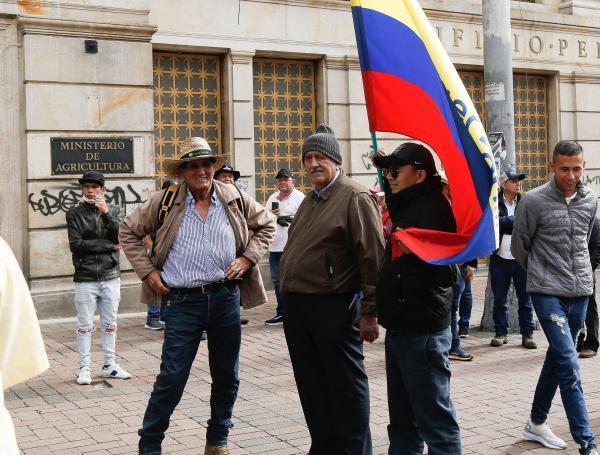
104,295
561,319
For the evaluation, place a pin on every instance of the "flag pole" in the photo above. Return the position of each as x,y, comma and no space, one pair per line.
375,149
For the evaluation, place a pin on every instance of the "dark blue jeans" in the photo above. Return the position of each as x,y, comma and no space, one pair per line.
561,319
155,312
323,339
418,383
274,259
188,314
462,303
502,271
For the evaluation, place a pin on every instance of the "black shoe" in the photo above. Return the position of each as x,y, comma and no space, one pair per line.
154,324
580,341
243,321
277,320
459,354
463,332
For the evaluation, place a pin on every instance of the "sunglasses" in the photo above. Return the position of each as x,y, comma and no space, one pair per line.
392,171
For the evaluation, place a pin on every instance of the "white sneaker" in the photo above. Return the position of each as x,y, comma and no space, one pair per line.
114,371
84,377
542,434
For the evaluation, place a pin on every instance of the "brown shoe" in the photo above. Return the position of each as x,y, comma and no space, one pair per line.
216,450
527,342
499,340
587,353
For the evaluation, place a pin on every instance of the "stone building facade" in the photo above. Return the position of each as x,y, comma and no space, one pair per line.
253,76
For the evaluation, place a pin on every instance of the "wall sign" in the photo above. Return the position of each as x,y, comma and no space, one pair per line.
77,155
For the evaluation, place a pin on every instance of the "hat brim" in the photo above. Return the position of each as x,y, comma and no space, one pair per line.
170,166
518,177
387,161
99,182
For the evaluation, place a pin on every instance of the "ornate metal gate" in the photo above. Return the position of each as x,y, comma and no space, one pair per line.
284,115
531,121
187,102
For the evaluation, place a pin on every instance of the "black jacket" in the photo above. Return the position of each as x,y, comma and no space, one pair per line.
91,240
414,296
505,222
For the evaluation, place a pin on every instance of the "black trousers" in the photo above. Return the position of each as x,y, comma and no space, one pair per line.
322,335
591,324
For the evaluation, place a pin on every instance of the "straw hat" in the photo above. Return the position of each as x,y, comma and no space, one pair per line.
193,148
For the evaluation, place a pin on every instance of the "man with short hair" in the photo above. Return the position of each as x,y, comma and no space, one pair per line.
287,200
203,265
414,300
503,268
93,229
332,255
550,240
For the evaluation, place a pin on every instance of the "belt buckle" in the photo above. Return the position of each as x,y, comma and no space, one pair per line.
202,289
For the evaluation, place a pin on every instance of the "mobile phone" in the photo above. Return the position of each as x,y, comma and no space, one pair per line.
274,205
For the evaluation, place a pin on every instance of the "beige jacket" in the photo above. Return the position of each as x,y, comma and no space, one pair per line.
144,220
335,244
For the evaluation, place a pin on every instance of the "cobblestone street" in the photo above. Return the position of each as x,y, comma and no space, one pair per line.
54,415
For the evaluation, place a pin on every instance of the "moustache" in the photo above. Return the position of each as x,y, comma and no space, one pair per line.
316,169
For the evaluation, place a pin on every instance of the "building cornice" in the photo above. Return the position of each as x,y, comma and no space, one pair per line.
72,28
343,5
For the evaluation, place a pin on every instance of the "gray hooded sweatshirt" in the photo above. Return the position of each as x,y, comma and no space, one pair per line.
550,240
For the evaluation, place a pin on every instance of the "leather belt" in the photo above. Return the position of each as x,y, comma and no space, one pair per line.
208,288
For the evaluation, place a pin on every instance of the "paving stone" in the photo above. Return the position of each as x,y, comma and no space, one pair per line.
54,415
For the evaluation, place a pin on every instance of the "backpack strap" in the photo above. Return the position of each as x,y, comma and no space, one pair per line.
166,203
240,203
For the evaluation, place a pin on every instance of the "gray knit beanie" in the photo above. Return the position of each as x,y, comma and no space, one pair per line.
323,141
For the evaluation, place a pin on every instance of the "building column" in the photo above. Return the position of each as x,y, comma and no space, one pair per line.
13,172
242,117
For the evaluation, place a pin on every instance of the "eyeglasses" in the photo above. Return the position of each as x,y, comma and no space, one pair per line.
392,171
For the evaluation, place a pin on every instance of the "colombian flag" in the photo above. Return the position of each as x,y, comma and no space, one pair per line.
412,88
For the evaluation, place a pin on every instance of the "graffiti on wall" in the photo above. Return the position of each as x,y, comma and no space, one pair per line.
50,201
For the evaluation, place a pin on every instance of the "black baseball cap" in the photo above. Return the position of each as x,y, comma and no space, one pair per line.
228,168
92,177
511,175
284,173
411,153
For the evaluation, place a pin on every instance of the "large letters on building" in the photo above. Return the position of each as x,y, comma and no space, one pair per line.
77,155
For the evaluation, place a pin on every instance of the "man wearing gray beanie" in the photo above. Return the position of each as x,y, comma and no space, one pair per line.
328,272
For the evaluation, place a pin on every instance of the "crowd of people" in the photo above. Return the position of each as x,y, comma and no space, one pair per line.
340,270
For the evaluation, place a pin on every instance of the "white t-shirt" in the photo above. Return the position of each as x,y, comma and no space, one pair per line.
504,250
570,198
287,207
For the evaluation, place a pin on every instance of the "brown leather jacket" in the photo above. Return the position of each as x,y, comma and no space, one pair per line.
144,220
335,244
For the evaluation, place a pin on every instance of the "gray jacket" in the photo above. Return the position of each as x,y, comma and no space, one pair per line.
550,240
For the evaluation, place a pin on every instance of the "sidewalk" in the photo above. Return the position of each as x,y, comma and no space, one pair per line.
54,415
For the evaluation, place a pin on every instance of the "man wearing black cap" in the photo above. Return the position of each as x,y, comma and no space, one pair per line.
93,228
504,268
227,174
332,254
414,299
284,205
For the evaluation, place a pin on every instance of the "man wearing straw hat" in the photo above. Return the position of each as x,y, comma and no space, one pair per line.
203,264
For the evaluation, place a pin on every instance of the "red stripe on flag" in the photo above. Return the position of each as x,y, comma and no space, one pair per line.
392,105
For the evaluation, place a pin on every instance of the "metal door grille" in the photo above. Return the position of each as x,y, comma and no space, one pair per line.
187,103
284,116
531,121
